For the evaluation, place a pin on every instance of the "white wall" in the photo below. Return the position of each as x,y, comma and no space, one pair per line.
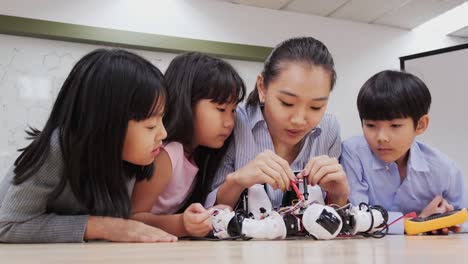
32,71
360,50
445,75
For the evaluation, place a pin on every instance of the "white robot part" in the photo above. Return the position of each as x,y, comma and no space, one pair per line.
315,193
271,227
321,221
365,222
220,221
258,201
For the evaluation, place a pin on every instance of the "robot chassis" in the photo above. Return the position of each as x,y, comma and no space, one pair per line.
301,215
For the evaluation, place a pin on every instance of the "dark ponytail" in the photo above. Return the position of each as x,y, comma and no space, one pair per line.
303,50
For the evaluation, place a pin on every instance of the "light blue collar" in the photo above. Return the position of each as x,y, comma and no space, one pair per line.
416,161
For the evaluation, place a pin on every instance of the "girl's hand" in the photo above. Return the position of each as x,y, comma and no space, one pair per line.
330,176
439,205
123,230
268,168
197,220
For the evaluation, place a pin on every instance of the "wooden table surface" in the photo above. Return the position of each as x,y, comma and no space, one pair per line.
391,249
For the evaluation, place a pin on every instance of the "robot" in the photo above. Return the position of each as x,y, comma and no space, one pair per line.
305,215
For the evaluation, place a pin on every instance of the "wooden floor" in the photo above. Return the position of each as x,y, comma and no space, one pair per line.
391,249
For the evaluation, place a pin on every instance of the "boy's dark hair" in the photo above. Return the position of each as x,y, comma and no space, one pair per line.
190,78
104,90
393,94
298,50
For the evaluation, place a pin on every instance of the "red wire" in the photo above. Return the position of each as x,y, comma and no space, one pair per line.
408,215
296,190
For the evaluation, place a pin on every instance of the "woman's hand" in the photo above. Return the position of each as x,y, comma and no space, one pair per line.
267,167
328,173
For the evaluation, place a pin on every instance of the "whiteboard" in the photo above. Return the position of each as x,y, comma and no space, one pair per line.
32,72
446,76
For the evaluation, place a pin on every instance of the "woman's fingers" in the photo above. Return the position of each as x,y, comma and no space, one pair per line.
282,174
286,171
321,166
312,166
323,172
269,172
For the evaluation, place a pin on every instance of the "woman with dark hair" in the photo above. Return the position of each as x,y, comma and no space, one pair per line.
203,93
73,182
284,128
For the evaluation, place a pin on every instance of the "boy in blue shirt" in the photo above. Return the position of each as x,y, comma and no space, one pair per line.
387,166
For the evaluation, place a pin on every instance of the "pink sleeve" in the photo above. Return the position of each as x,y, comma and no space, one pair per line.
175,150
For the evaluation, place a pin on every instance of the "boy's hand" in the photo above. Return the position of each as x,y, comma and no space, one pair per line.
330,176
197,220
439,205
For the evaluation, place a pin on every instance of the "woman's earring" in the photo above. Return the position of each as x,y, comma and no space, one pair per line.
261,102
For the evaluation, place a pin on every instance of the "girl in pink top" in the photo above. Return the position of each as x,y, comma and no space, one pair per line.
203,93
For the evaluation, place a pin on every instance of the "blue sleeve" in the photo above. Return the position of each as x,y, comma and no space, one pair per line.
455,194
359,188
354,170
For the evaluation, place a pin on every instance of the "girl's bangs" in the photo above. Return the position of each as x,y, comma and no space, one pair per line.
225,88
149,97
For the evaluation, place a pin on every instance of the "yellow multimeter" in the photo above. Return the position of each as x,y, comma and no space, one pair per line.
434,222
